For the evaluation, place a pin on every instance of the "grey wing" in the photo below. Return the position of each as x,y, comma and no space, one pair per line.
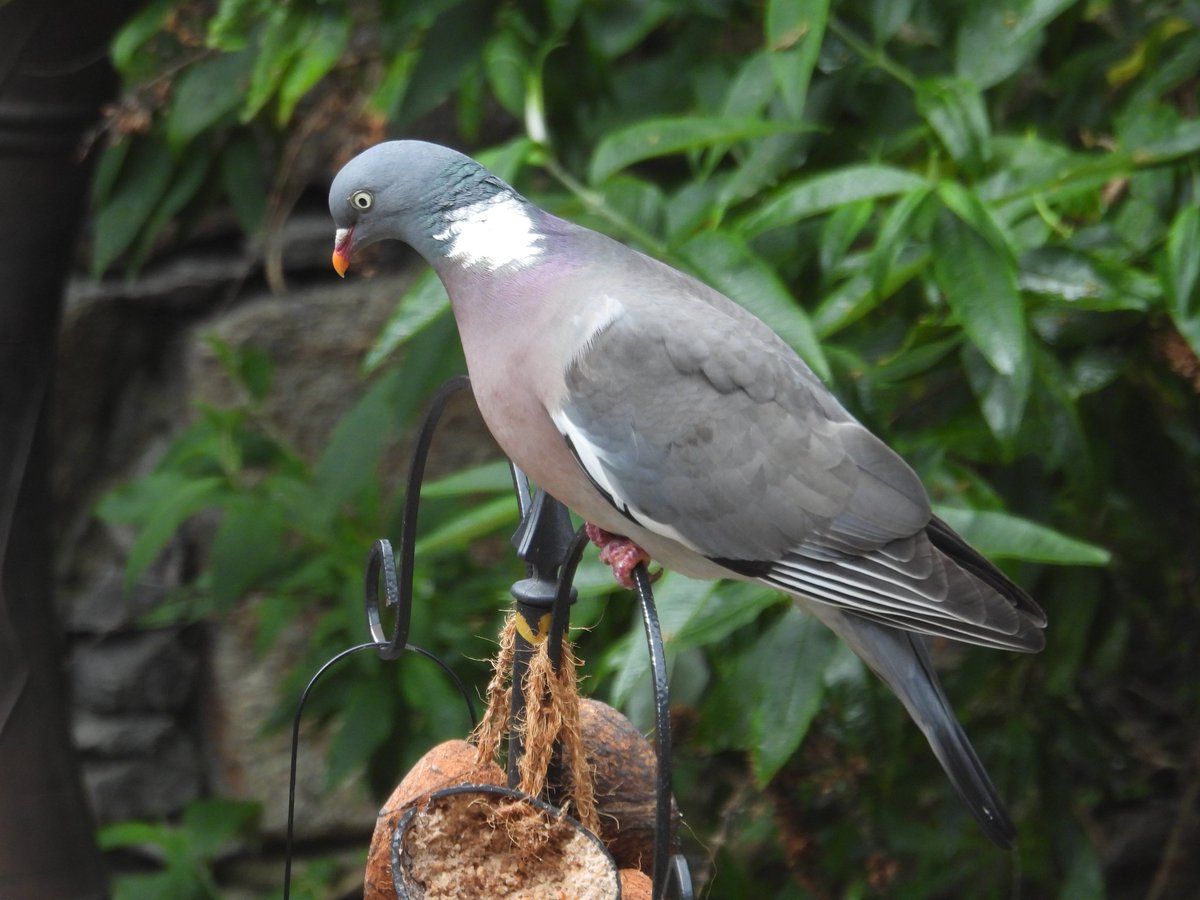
701,428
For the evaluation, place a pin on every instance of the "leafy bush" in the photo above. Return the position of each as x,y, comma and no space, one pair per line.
978,220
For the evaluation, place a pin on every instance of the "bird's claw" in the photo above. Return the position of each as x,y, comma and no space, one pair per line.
621,553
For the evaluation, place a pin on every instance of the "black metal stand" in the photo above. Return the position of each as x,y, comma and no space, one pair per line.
546,542
551,548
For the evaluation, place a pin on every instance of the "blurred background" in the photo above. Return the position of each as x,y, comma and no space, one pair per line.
977,220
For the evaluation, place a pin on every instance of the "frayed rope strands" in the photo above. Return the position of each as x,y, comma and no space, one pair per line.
551,716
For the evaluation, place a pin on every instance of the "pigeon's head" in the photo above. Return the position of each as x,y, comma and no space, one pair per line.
411,191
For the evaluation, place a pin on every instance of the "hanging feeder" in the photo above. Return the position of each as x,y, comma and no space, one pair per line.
494,842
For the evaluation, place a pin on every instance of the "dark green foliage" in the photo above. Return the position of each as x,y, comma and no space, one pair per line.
977,219
206,830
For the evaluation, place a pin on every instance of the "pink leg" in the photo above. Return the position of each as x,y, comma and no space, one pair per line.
619,552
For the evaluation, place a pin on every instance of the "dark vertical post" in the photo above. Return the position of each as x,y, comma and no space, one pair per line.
544,542
53,79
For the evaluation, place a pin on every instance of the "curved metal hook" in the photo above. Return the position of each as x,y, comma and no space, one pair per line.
291,810
381,561
399,590
312,683
679,879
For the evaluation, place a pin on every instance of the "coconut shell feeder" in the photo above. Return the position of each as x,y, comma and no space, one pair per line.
582,807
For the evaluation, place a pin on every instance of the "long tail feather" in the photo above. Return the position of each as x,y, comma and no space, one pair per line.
901,660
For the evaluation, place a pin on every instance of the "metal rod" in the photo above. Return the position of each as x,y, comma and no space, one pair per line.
516,707
662,730
550,548
412,502
565,596
291,808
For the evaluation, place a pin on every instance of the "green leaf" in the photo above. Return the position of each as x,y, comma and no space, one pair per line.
955,111
453,45
1185,141
1032,167
424,302
1182,264
794,31
839,232
144,179
425,365
857,296
791,659
768,160
213,824
130,834
912,361
563,13
137,500
185,184
970,207
256,370
230,26
619,27
1085,876
729,606
980,283
108,169
507,67
896,231
887,17
479,520
728,264
821,193
1082,281
244,181
389,93
1002,398
348,463
172,511
663,137
205,94
694,207
1001,535
751,89
280,41
249,366
490,478
680,601
136,32
849,302
998,37
324,40
505,160
248,544
366,722
637,201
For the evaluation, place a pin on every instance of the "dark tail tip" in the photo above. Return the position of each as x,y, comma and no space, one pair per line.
973,785
962,765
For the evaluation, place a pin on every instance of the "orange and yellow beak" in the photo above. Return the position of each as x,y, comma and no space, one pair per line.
341,250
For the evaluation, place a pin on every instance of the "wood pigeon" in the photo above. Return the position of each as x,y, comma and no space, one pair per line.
681,427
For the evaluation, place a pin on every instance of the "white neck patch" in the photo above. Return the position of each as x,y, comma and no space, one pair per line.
492,233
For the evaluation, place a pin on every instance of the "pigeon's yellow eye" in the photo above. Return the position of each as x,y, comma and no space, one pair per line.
361,199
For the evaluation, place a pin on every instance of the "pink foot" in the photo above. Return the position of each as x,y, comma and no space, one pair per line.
619,552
